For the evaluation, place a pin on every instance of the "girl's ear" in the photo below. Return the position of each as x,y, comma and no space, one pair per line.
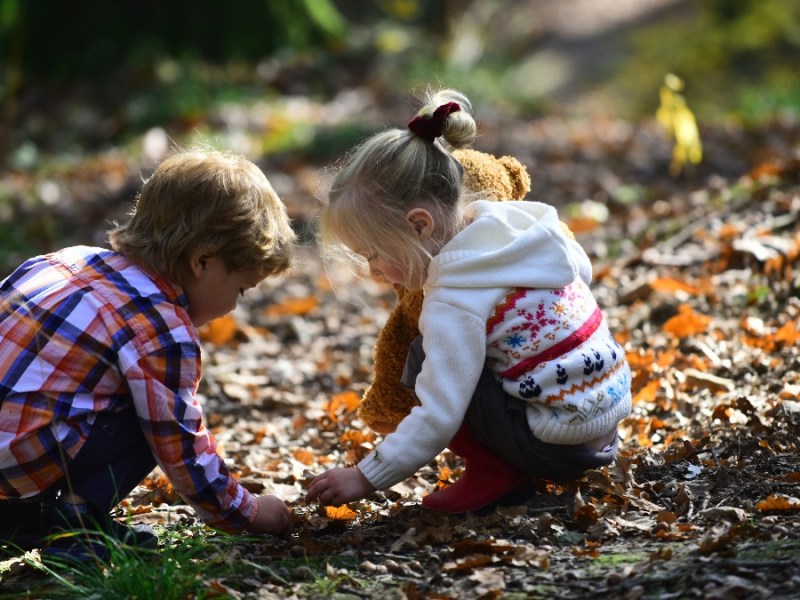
422,222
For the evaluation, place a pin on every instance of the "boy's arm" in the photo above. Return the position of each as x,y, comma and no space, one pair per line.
163,384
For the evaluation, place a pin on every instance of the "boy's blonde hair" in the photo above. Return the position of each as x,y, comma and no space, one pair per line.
388,175
216,202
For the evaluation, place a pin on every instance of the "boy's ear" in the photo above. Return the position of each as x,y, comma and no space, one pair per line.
198,263
422,222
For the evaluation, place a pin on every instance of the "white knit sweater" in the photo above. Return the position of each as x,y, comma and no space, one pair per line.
509,291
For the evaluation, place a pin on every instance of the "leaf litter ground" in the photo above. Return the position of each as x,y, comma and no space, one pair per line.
701,287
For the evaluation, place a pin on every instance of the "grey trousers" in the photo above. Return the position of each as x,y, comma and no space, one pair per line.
498,420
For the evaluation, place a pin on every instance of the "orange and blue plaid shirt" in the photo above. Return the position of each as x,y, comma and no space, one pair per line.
85,331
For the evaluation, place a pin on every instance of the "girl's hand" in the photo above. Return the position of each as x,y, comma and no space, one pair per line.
273,517
339,486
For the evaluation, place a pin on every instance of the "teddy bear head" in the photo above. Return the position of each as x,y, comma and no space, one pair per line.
503,178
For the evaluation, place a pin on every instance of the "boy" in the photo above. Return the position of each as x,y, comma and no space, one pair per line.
100,359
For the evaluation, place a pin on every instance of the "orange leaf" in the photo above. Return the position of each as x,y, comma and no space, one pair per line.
304,456
788,334
293,307
670,285
219,331
721,412
686,322
340,513
590,552
348,400
779,502
765,170
583,225
353,437
648,393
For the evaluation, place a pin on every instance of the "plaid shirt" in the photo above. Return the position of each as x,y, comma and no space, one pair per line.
84,331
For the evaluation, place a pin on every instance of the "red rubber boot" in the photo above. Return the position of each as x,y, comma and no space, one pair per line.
486,478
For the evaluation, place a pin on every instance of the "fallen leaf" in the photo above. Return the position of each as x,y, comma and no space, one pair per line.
219,331
686,323
293,307
340,513
778,502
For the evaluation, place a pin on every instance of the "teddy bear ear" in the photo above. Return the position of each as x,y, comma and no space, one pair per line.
518,174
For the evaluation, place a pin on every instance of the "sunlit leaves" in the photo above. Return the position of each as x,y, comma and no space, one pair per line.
687,322
778,502
675,116
340,513
220,331
293,307
342,404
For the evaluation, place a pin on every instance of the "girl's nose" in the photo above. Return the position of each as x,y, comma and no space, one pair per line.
375,273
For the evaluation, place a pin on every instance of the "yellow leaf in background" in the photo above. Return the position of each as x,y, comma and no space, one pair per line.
219,331
675,116
295,307
340,513
686,323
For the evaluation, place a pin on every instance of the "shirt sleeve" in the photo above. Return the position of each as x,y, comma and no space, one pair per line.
163,384
454,341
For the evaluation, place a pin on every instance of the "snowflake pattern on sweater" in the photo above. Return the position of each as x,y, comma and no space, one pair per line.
553,349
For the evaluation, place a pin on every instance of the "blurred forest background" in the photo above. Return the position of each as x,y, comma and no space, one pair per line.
93,93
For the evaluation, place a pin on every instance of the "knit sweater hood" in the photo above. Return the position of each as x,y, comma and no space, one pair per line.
510,234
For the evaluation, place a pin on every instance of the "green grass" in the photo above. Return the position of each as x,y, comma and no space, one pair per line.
187,564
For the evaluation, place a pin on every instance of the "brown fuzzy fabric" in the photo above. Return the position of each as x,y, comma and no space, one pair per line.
386,402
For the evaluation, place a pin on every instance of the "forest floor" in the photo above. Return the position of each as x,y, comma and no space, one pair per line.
697,277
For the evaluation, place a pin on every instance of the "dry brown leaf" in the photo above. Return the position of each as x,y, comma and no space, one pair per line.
304,456
670,285
788,335
348,401
583,225
294,307
648,393
491,583
340,513
778,502
686,323
219,331
354,437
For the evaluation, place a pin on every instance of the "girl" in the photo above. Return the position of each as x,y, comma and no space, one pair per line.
515,369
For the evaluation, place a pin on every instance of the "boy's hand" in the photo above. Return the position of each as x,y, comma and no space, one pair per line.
339,486
273,517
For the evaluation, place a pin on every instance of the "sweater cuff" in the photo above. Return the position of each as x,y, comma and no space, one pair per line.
373,467
252,517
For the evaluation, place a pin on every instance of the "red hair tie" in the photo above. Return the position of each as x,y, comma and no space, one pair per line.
430,127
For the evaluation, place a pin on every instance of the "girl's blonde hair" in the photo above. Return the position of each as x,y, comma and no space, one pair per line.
385,177
216,202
